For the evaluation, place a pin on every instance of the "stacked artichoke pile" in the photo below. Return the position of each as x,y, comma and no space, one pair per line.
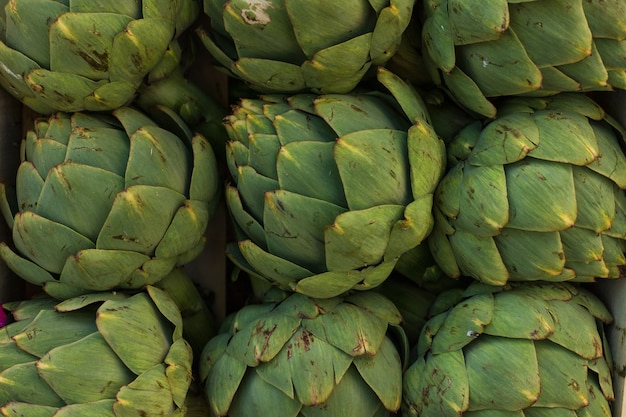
422,194
111,200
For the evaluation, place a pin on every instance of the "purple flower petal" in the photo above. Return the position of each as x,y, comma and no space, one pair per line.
3,317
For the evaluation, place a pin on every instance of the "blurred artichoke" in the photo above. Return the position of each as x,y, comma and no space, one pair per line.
307,357
536,194
291,46
329,191
88,55
529,349
479,50
107,201
104,354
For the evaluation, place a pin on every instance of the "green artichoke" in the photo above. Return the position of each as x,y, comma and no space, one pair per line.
329,191
307,357
289,46
107,201
88,55
480,50
525,349
103,354
178,96
199,323
536,194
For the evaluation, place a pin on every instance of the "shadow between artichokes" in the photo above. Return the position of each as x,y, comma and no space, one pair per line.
106,201
329,191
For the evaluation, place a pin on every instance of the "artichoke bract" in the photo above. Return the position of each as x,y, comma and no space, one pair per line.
290,46
105,201
88,55
536,194
479,50
307,357
329,191
199,323
526,349
176,95
104,354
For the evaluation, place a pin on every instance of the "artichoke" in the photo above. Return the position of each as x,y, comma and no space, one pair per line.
481,50
106,201
199,324
102,354
536,194
307,357
330,190
184,98
525,349
288,46
88,55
